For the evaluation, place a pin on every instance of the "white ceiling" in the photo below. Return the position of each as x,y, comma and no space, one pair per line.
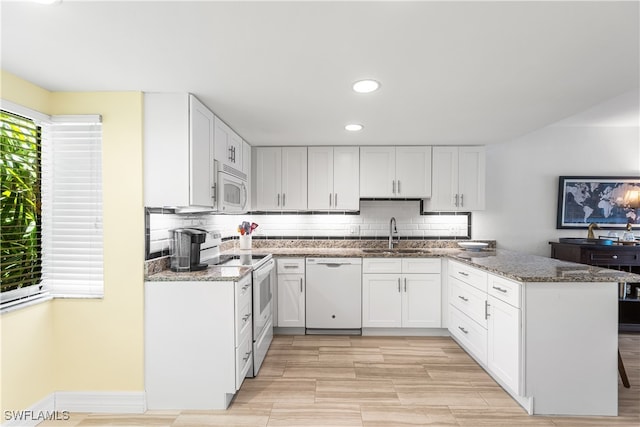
280,73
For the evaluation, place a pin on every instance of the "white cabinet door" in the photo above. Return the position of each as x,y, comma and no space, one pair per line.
346,178
320,185
421,302
413,172
291,300
202,179
503,349
228,145
471,177
377,171
445,179
268,178
334,178
458,179
294,178
246,168
381,300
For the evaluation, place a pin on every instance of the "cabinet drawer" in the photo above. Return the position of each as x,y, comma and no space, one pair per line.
612,258
290,265
469,300
468,274
244,359
382,265
243,290
469,333
421,265
244,320
505,290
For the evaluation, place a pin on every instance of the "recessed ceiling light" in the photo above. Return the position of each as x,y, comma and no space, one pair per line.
354,127
366,86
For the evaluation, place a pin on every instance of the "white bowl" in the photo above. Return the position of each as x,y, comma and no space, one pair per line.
473,246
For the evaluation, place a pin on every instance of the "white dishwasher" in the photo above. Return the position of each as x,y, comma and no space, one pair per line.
334,295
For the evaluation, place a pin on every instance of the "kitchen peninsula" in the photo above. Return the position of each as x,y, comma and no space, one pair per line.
535,324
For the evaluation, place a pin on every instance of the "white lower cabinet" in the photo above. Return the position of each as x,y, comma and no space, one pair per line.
291,292
503,342
198,343
484,315
393,299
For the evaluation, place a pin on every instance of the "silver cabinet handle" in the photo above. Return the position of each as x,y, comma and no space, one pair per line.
335,197
463,298
278,199
283,202
214,191
399,187
290,266
504,291
405,284
246,356
398,284
329,199
393,186
486,309
461,200
463,329
246,317
462,273
301,285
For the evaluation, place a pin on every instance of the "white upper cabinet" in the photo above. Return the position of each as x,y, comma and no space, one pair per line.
458,179
228,146
202,177
178,151
395,172
280,180
333,178
413,172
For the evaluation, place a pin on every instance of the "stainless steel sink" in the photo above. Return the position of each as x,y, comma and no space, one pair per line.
395,250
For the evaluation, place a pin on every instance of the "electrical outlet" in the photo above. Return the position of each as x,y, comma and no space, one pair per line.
354,229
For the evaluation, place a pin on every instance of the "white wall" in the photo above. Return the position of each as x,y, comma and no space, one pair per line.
522,175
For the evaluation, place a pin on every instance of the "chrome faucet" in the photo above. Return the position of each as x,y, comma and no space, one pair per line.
392,229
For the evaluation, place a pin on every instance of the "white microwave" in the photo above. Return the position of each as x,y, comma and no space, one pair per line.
232,193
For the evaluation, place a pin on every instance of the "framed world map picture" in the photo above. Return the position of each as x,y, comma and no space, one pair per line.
610,202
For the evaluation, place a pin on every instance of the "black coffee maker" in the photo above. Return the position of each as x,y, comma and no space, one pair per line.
186,249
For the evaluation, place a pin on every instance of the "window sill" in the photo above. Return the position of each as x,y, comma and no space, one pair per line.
27,302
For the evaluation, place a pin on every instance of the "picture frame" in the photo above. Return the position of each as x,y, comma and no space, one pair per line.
609,201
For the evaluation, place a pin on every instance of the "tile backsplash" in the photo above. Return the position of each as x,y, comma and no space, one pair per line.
371,222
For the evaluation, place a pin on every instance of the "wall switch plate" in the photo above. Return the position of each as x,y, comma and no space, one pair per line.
354,229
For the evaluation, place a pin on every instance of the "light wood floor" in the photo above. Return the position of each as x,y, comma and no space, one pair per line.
375,381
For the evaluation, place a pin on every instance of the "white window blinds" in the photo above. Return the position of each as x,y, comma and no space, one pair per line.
72,237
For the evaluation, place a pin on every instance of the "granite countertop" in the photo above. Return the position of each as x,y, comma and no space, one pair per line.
158,271
514,265
533,268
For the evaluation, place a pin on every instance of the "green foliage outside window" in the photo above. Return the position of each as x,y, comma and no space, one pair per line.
20,156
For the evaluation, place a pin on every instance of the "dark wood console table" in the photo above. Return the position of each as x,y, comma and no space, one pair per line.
617,257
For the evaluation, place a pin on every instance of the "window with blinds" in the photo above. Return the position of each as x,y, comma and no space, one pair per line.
72,207
52,238
20,244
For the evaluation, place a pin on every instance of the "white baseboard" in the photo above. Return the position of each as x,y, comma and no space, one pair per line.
57,405
120,402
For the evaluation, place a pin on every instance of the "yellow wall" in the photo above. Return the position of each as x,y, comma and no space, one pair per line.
96,344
